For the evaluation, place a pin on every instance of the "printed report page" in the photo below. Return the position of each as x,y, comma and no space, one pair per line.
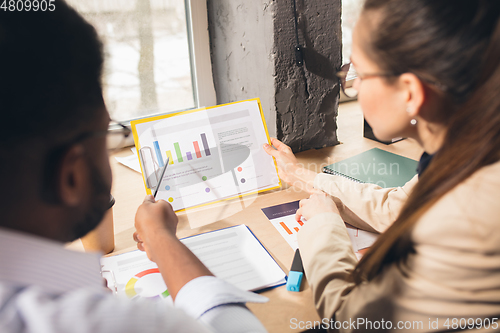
212,154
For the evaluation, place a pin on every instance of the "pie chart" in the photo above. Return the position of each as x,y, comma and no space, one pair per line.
148,283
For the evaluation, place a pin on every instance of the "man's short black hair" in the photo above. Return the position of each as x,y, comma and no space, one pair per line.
50,93
50,74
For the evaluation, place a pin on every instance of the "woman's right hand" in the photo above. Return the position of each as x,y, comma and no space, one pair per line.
288,167
319,202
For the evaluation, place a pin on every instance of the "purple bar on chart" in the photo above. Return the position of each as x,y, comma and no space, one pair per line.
205,144
188,154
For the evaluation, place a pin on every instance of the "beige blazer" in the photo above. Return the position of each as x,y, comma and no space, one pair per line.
455,272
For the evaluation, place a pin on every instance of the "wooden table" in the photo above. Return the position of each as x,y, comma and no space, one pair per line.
276,315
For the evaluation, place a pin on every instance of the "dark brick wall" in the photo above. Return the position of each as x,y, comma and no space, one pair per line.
252,44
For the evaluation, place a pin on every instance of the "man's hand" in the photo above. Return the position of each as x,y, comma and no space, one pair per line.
319,202
156,224
154,220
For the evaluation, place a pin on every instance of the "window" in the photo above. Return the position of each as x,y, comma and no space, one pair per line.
350,13
156,55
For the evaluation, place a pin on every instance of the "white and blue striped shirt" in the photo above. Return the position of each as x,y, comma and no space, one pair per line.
46,288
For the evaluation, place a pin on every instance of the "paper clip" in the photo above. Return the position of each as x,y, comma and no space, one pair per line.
148,173
115,286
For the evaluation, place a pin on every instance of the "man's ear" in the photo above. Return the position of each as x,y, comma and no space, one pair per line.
72,179
416,93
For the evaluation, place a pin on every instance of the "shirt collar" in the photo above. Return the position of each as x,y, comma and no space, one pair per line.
424,162
27,260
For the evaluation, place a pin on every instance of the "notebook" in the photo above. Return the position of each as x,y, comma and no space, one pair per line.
375,166
233,254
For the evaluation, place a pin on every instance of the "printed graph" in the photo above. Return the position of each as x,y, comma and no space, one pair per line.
290,225
213,153
147,283
182,156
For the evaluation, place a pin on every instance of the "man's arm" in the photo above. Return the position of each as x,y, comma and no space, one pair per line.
192,286
156,225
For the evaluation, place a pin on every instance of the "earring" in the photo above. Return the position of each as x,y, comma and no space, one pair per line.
413,122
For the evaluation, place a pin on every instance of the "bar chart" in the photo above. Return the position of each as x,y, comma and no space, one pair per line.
288,229
283,219
181,156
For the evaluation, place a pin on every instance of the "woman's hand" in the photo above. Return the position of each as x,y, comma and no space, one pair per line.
288,167
319,202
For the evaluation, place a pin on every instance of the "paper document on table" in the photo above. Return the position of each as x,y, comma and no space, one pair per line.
214,154
360,239
283,219
131,161
233,254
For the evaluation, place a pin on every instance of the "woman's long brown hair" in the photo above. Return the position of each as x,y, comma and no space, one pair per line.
456,46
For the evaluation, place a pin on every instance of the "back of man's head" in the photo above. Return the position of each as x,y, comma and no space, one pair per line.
50,72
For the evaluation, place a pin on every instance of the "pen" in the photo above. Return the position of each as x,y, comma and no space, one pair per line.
161,178
295,274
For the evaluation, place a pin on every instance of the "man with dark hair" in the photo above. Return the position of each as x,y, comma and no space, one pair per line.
56,183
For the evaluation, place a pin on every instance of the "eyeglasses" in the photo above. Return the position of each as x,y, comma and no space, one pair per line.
347,74
347,71
116,135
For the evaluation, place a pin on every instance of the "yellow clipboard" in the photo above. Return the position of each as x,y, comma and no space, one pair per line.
153,154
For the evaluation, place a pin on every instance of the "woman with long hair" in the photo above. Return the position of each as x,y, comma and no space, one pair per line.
427,70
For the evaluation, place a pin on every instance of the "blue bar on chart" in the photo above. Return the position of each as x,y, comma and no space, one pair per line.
158,154
205,144
189,156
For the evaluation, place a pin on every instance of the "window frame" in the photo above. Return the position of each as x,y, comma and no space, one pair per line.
199,51
200,61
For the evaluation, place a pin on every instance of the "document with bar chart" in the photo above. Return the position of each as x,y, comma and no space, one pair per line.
213,154
283,219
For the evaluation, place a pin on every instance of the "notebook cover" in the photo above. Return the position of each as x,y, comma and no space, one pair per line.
375,166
